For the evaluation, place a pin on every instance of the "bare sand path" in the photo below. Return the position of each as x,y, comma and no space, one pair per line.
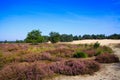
107,72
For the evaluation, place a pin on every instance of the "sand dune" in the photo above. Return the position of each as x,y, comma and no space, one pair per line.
102,42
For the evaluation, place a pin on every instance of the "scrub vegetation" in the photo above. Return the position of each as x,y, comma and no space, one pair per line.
23,61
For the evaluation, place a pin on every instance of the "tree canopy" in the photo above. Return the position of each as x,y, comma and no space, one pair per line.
34,37
66,38
54,37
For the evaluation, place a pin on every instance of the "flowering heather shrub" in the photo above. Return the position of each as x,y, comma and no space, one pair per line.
9,47
107,58
75,67
25,71
31,57
92,66
13,47
61,52
36,57
46,56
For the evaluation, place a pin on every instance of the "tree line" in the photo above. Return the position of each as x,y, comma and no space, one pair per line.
35,37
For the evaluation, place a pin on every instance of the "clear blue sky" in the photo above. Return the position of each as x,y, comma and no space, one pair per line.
18,17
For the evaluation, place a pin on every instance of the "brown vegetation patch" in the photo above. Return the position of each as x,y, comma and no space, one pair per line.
75,67
25,71
62,52
90,52
107,58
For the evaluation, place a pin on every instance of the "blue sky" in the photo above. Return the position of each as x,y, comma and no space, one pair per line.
77,17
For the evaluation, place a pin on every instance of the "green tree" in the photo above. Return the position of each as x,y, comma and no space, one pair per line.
34,37
79,37
46,38
5,41
54,37
76,37
93,36
114,36
86,36
19,41
66,38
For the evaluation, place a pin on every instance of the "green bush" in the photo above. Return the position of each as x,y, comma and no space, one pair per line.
96,45
103,49
80,55
107,49
98,53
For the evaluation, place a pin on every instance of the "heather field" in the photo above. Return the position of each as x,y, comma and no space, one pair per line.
47,61
59,39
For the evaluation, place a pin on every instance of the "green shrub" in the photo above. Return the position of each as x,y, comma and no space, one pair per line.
96,45
86,45
107,49
103,49
80,55
98,53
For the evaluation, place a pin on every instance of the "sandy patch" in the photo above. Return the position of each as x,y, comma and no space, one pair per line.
102,42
